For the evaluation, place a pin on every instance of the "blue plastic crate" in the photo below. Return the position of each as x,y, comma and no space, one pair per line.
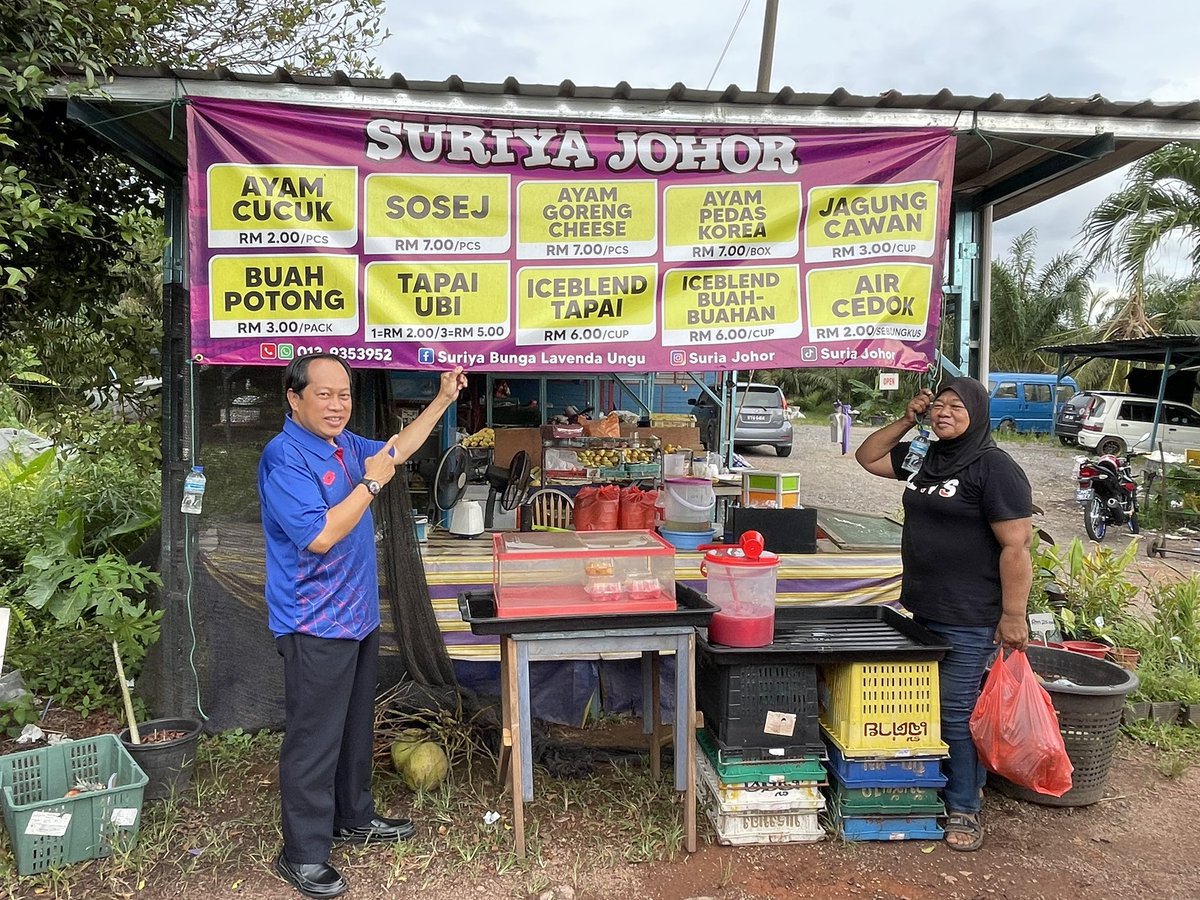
917,771
886,828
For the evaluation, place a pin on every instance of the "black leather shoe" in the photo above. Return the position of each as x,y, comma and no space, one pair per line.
312,879
380,829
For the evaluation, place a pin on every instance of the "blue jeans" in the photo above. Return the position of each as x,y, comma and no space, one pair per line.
960,675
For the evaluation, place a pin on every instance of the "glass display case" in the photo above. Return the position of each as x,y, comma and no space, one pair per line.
581,573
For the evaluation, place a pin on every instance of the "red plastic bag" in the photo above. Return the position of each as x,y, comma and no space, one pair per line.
637,508
597,509
1015,729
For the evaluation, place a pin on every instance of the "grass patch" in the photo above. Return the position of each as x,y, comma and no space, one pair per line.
222,834
1178,746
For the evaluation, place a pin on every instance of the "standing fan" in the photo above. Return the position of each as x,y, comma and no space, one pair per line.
509,485
447,485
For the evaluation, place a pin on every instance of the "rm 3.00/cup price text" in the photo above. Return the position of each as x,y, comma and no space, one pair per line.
376,354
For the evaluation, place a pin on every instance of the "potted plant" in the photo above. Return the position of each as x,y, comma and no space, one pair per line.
165,749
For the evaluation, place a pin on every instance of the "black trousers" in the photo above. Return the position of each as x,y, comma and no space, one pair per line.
325,763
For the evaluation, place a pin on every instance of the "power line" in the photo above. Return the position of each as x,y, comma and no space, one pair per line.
729,40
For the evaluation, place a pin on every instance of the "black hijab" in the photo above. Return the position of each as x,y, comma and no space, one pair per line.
947,458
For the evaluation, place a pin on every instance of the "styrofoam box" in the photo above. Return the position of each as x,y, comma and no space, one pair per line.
788,796
737,829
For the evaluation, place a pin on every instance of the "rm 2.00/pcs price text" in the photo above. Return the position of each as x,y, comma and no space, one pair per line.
282,238
377,354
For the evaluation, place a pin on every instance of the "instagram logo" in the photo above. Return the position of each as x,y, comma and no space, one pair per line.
678,358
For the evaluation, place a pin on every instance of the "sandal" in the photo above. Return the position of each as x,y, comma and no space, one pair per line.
964,823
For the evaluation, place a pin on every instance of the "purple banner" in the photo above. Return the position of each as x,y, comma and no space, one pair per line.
412,241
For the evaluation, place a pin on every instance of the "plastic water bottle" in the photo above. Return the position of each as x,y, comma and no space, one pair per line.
193,491
916,451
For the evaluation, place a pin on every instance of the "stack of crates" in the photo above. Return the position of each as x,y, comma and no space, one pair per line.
883,727
768,802
759,765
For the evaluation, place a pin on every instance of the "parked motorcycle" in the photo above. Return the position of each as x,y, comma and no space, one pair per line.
1108,494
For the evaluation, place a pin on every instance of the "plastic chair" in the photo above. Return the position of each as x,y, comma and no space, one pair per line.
551,510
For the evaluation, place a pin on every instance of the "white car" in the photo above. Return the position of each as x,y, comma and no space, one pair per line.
1116,423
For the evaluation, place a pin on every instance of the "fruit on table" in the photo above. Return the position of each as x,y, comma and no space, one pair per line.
484,438
600,458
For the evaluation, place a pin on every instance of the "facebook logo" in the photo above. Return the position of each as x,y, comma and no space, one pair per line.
425,355
678,358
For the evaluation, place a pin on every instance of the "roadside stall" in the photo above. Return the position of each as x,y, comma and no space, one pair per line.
410,227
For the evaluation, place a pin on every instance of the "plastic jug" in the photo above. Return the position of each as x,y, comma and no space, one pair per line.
741,583
675,465
688,504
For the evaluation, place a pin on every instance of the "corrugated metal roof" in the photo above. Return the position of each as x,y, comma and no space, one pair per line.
1184,349
944,100
1011,153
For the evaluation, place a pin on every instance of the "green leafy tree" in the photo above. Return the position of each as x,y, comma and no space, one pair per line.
78,226
1032,306
1160,199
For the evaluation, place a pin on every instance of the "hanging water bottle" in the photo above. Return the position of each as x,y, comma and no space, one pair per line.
193,491
917,450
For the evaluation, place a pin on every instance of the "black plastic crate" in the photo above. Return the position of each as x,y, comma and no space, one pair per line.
760,708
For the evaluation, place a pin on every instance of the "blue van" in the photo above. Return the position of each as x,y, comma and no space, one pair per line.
1022,401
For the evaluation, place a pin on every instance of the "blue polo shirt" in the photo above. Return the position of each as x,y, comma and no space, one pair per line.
329,595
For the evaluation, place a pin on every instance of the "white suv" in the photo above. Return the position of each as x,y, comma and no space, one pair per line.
1114,423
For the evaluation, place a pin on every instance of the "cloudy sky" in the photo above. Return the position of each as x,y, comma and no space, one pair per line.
1020,48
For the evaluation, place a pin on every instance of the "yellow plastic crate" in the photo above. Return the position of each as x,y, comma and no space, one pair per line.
882,709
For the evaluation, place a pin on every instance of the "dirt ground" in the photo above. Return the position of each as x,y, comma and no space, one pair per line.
1140,841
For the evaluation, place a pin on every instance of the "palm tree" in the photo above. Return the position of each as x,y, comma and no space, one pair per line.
1160,198
1032,307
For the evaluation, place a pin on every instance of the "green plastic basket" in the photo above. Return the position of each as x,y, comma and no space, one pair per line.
48,829
887,801
735,772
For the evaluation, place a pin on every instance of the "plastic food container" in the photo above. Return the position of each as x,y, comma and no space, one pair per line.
688,504
741,583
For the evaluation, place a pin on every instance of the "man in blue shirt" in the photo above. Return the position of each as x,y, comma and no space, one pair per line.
316,482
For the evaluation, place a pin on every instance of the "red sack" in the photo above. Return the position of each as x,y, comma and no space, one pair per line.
597,509
637,508
1015,729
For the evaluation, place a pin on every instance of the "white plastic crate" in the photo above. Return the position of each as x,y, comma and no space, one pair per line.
788,796
742,828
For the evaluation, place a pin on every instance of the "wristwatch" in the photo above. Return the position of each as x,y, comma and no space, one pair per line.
373,487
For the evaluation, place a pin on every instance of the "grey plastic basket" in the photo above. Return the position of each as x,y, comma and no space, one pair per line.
1089,717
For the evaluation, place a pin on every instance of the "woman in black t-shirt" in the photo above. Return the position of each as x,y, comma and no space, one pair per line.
967,570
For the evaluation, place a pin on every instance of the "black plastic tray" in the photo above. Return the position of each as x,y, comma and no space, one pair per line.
836,634
478,610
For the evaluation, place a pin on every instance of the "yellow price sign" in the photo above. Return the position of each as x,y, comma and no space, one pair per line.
436,301
578,219
583,305
869,221
732,222
282,206
299,294
883,300
433,215
731,305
